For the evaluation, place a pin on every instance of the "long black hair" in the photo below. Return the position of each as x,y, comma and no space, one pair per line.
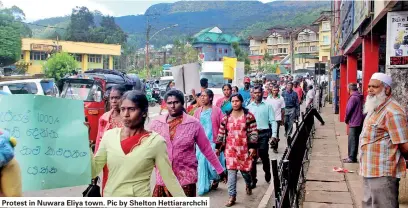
210,95
139,99
240,98
178,94
227,85
118,88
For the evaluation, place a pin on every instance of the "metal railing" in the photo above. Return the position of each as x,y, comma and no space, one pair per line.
288,174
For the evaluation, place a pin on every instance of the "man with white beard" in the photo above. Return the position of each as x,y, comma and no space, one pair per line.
383,144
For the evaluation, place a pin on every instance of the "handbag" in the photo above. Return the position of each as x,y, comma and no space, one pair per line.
93,189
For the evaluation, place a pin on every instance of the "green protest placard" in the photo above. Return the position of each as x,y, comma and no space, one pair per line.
52,141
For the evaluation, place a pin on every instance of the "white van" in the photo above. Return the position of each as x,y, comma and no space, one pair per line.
214,72
31,86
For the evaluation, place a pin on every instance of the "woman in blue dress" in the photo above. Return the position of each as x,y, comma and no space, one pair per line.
210,118
224,103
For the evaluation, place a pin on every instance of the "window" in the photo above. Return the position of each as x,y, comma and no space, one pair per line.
274,41
77,57
23,88
269,42
326,40
95,58
313,48
326,26
220,50
312,37
280,40
219,59
34,55
225,51
303,49
200,49
261,51
22,56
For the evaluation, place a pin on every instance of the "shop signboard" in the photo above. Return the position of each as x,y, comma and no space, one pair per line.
346,19
361,8
397,39
45,48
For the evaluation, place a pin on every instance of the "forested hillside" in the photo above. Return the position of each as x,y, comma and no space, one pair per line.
239,17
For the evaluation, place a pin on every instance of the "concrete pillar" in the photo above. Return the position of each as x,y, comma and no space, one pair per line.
371,53
351,69
26,56
84,62
110,62
343,91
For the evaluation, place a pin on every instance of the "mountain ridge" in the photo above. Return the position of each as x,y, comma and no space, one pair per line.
237,17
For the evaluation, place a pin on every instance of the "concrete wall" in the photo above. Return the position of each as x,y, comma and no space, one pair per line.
400,85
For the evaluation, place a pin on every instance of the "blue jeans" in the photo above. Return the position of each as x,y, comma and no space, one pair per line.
232,181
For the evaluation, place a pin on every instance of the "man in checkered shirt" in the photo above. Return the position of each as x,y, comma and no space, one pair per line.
383,145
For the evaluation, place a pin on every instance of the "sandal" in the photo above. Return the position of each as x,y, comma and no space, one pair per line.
231,201
248,190
214,185
348,160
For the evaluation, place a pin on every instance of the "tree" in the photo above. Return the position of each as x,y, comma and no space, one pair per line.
11,30
184,53
59,65
242,56
108,32
82,22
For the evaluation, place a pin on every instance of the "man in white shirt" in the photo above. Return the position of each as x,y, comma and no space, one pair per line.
310,96
278,104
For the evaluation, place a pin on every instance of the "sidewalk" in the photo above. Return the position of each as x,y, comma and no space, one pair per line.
324,187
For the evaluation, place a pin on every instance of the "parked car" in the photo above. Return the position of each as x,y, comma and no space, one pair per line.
31,86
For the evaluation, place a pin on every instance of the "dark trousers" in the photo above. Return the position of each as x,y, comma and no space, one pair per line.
353,138
264,155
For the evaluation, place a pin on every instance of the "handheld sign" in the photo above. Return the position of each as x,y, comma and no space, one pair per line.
52,140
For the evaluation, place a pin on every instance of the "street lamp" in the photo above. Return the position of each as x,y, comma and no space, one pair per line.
148,37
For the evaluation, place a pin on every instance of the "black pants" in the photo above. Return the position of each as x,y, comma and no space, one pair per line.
353,138
317,115
264,155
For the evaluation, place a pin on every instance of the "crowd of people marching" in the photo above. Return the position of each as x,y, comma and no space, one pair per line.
192,150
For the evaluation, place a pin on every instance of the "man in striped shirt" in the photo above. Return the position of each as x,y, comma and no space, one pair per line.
383,144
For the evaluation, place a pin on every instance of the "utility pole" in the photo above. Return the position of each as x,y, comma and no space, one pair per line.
292,52
148,28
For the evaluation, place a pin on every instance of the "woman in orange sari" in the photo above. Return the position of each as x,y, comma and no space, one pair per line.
110,120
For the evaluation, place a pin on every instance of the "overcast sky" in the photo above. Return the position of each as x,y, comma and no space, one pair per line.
40,9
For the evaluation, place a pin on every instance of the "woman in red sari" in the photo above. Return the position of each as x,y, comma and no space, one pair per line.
110,120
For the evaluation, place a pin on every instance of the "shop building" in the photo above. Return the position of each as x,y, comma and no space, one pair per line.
369,36
35,52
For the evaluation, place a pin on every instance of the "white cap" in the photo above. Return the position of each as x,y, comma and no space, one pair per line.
383,78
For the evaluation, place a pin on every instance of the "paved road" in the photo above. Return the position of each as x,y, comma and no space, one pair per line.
217,198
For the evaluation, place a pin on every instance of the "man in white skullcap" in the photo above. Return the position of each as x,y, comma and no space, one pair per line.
383,144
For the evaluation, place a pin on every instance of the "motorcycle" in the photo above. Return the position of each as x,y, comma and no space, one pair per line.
156,95
150,99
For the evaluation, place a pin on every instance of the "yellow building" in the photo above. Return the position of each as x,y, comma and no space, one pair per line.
89,55
258,48
306,41
278,42
324,37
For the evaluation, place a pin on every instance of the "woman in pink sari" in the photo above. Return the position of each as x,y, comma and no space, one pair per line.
110,120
